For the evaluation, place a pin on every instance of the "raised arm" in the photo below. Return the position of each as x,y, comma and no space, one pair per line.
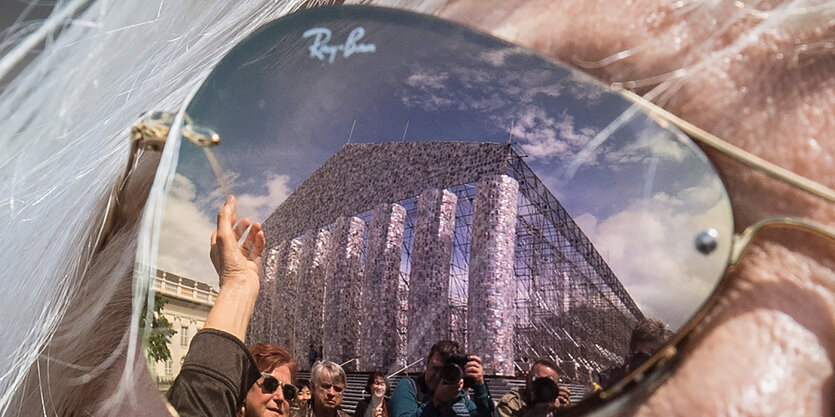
218,371
237,267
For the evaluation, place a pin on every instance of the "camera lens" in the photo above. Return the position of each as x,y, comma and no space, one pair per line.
544,390
453,369
451,373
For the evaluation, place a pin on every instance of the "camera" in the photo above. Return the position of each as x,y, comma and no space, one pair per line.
453,369
544,390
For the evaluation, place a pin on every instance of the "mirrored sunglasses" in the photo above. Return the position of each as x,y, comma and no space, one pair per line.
397,158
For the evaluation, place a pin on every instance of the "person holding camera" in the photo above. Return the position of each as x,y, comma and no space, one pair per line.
441,391
541,396
648,337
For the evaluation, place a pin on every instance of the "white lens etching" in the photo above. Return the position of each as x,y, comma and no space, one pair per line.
419,181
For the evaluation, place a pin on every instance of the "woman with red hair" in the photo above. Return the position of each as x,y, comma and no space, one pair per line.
270,396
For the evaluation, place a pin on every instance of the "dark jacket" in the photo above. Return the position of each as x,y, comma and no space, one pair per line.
411,398
216,375
362,406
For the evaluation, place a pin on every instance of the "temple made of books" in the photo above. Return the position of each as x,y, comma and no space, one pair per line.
389,247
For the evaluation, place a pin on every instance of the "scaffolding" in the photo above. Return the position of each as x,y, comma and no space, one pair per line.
569,305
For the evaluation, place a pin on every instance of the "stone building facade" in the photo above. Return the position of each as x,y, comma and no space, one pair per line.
187,305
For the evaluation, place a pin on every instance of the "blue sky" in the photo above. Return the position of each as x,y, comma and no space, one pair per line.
641,196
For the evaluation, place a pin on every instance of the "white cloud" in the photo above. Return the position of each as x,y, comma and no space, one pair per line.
583,87
257,206
534,82
497,57
426,80
649,246
186,229
431,90
652,142
184,241
587,223
543,136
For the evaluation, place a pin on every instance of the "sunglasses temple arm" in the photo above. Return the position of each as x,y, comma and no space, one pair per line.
746,158
742,240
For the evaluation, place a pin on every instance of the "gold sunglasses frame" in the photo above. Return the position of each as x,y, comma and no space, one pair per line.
653,372
150,134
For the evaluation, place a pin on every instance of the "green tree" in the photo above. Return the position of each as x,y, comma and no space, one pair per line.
161,331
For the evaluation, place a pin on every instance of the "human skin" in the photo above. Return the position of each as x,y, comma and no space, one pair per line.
260,404
237,268
378,388
326,399
443,393
767,347
304,394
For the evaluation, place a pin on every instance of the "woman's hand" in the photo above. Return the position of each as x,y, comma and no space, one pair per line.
237,267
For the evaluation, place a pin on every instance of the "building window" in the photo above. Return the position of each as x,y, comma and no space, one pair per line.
183,336
168,367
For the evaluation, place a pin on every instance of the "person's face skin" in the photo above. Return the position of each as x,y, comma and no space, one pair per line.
433,371
768,346
378,388
261,404
304,394
541,371
327,394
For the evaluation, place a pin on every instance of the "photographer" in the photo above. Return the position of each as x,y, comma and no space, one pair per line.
441,391
541,395
648,336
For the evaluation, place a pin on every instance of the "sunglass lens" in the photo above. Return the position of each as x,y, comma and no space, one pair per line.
290,392
270,384
593,206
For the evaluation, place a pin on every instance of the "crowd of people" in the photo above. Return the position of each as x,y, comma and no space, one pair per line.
221,376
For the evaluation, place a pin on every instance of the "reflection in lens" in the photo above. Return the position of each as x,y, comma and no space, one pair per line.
382,239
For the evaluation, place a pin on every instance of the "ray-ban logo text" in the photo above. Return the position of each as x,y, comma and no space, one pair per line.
320,48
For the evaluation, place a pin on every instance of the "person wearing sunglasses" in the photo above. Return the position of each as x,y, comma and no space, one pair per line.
271,395
540,396
328,381
218,372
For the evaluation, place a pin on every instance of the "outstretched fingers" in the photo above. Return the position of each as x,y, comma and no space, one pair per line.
256,236
253,246
213,251
225,220
241,227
